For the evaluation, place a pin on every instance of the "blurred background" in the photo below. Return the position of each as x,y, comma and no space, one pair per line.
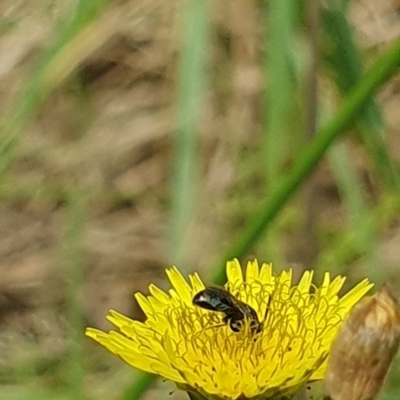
139,134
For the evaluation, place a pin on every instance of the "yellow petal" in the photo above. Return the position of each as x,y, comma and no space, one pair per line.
196,283
305,282
145,305
355,294
252,271
234,273
159,294
180,285
335,286
266,277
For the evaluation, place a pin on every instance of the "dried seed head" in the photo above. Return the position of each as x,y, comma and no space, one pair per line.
364,348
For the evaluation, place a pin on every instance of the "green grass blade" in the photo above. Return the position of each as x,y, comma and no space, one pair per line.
192,84
344,248
191,89
139,386
74,255
344,59
383,69
279,102
355,202
348,181
279,68
53,66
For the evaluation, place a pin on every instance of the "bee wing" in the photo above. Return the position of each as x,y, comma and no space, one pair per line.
215,299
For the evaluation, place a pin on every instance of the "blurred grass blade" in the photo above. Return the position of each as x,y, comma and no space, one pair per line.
357,208
344,59
195,396
74,255
279,97
383,69
344,248
139,386
348,181
192,84
279,68
53,67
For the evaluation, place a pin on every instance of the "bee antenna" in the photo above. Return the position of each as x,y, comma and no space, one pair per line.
268,307
214,326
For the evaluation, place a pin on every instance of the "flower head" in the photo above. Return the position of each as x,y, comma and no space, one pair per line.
364,348
200,352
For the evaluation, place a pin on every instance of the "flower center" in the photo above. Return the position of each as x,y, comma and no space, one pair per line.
294,327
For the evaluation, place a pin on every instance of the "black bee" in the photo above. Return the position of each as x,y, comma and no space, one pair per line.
236,311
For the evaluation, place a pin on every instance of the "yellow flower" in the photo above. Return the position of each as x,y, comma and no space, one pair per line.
192,346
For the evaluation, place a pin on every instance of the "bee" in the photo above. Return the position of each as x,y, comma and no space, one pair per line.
215,298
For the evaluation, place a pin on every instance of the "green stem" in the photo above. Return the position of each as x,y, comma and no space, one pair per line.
362,92
139,386
195,396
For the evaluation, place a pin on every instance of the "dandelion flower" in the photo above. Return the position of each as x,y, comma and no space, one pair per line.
194,348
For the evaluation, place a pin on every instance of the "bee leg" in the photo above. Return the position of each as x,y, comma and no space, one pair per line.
226,319
215,326
236,325
255,326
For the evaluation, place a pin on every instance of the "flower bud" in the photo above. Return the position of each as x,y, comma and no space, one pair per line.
364,349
